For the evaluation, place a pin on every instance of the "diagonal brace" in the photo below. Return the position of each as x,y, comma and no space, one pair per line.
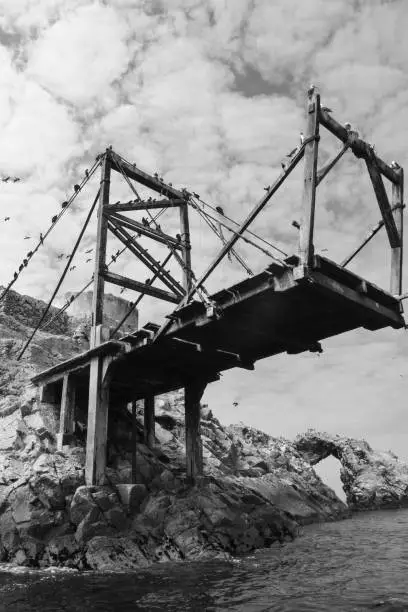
145,230
144,256
383,203
322,172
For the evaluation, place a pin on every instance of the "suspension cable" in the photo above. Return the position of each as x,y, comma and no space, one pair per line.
213,208
67,204
79,293
239,259
81,233
247,240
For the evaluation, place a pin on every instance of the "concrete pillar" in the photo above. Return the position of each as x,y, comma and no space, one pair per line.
67,412
149,421
194,451
98,405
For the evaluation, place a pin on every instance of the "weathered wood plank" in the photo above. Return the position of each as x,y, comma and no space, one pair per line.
397,252
132,172
67,409
359,147
145,205
100,250
148,421
186,249
383,203
145,230
194,450
306,247
129,283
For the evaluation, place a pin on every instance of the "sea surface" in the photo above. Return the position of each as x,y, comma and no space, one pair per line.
356,564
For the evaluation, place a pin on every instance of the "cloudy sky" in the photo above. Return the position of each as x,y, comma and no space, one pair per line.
210,93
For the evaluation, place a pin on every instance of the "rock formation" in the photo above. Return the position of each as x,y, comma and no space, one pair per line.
371,479
256,489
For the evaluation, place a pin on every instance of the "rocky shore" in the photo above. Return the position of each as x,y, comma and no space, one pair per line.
256,490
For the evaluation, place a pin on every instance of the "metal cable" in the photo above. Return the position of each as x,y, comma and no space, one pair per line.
63,275
53,224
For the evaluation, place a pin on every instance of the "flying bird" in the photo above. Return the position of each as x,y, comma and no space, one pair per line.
267,188
90,259
89,251
296,224
5,179
60,256
16,179
235,404
122,290
145,222
72,268
6,218
27,237
76,188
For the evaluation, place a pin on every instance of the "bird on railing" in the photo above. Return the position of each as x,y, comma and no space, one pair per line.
55,217
219,210
64,204
76,188
87,173
311,90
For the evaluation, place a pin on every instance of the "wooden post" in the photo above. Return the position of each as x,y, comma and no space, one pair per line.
185,236
67,410
149,421
306,247
98,406
134,435
194,451
397,252
100,250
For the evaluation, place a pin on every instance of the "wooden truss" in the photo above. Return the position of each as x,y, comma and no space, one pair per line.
111,220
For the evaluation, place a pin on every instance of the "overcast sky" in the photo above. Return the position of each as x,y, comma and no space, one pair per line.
210,93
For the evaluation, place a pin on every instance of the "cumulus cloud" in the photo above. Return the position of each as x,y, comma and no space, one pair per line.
211,95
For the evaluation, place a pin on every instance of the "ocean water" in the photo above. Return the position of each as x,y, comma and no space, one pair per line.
352,565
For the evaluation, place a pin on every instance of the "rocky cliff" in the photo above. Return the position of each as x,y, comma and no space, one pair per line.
371,479
255,492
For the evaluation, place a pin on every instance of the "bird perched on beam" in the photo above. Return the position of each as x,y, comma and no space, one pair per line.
326,109
76,188
6,179
219,210
311,90
64,204
347,126
55,217
87,173
296,224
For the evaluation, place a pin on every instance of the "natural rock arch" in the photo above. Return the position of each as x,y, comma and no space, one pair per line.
371,479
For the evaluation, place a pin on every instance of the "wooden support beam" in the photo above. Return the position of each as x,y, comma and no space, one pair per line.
123,281
383,203
134,443
145,257
359,147
134,173
323,172
145,205
100,250
306,246
194,451
149,422
67,412
97,433
397,252
185,238
145,230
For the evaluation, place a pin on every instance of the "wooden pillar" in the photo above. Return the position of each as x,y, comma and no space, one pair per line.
100,251
185,236
148,421
98,406
134,437
67,411
194,451
306,247
397,252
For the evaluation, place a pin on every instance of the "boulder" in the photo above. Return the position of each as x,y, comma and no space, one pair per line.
131,495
